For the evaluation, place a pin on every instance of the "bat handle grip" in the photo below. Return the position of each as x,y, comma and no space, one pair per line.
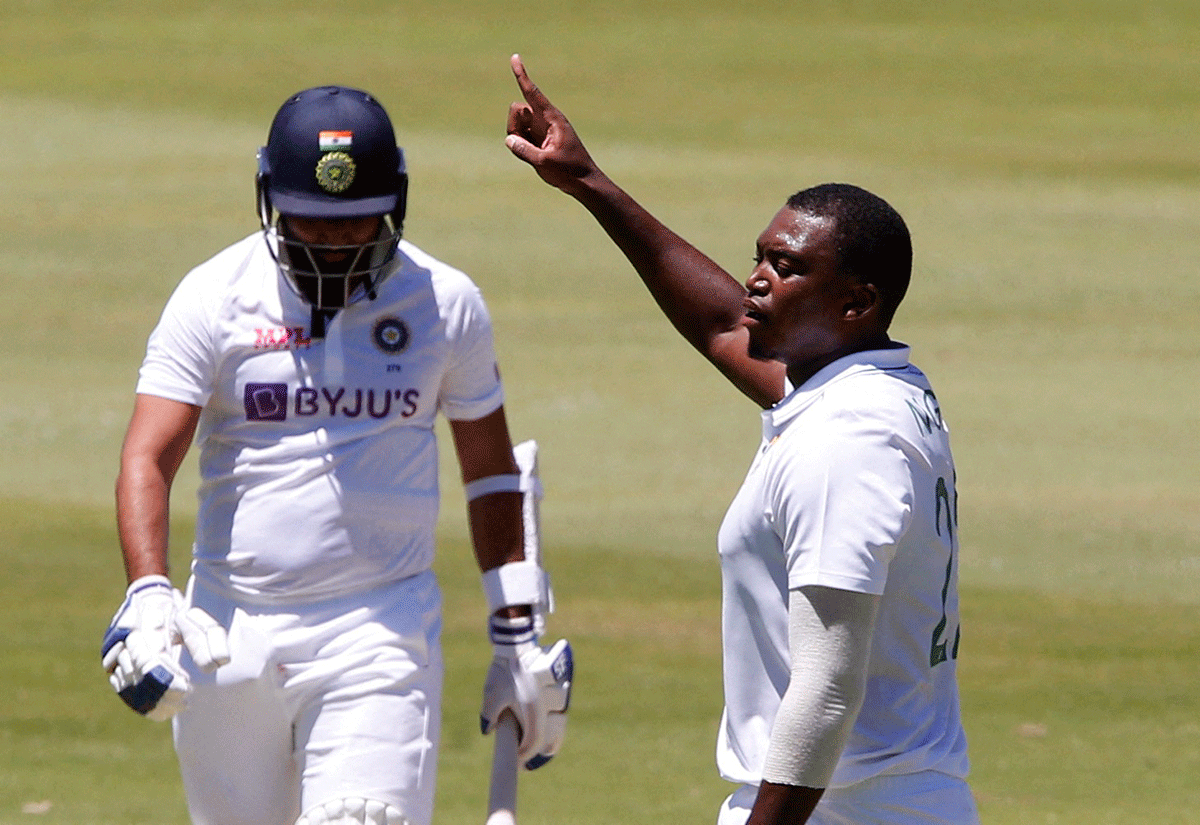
502,792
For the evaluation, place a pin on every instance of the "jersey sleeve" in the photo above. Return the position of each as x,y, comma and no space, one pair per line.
471,387
841,499
179,354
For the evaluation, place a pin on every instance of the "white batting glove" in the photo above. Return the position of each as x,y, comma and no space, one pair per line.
531,682
142,645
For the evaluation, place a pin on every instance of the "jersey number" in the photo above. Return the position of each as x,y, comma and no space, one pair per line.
940,648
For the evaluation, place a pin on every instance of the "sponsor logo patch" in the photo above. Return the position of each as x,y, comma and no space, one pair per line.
266,402
281,338
271,402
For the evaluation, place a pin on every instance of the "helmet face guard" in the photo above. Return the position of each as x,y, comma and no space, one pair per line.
331,155
332,276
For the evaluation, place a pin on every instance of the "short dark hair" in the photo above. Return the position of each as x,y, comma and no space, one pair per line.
874,245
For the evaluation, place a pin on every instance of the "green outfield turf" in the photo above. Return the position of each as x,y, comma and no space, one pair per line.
1045,157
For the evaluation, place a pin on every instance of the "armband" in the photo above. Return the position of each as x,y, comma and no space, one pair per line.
511,483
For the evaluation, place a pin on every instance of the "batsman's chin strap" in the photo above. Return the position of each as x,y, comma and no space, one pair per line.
320,321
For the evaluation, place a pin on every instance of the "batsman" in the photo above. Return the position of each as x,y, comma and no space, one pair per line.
301,663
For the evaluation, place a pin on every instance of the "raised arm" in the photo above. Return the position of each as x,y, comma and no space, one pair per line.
701,300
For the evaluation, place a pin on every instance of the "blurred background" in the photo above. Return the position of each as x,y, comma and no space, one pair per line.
1044,155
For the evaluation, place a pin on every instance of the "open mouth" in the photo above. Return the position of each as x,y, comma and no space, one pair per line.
753,314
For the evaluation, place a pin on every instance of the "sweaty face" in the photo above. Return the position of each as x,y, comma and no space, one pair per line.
798,302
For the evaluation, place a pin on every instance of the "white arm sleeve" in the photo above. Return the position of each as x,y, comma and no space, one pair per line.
829,637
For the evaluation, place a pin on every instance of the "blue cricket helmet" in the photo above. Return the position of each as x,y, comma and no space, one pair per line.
331,154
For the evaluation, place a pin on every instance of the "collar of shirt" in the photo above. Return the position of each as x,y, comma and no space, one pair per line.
797,399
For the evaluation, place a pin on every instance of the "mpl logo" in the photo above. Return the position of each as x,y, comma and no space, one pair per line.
266,402
281,338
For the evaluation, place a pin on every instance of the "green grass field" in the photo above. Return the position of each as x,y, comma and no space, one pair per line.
1045,157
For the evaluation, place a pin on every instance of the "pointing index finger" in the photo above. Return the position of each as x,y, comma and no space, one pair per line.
532,94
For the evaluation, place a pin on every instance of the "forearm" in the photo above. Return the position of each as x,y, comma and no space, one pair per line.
812,725
158,438
701,300
143,519
783,804
697,295
830,634
495,525
484,450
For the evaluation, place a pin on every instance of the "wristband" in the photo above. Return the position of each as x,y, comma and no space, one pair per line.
148,581
517,582
511,630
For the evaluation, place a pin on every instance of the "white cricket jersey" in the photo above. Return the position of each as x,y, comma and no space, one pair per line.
852,488
318,458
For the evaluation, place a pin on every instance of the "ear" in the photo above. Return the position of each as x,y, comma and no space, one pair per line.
861,301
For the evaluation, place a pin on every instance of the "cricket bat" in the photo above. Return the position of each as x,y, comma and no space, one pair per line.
502,791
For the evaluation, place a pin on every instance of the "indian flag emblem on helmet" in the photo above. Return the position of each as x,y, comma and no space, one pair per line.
333,141
335,172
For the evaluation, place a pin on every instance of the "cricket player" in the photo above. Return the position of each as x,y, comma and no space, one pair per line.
302,665
839,555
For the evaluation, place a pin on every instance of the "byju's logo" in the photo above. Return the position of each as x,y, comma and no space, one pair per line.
266,402
270,402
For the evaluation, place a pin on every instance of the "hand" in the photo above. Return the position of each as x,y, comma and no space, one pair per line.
541,135
142,645
534,684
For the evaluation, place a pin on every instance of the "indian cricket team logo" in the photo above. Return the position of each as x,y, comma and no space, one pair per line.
391,335
335,172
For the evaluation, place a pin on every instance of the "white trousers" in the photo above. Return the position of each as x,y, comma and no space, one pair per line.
925,798
325,702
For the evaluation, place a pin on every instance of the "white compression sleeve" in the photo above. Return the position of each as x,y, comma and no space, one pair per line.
829,637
